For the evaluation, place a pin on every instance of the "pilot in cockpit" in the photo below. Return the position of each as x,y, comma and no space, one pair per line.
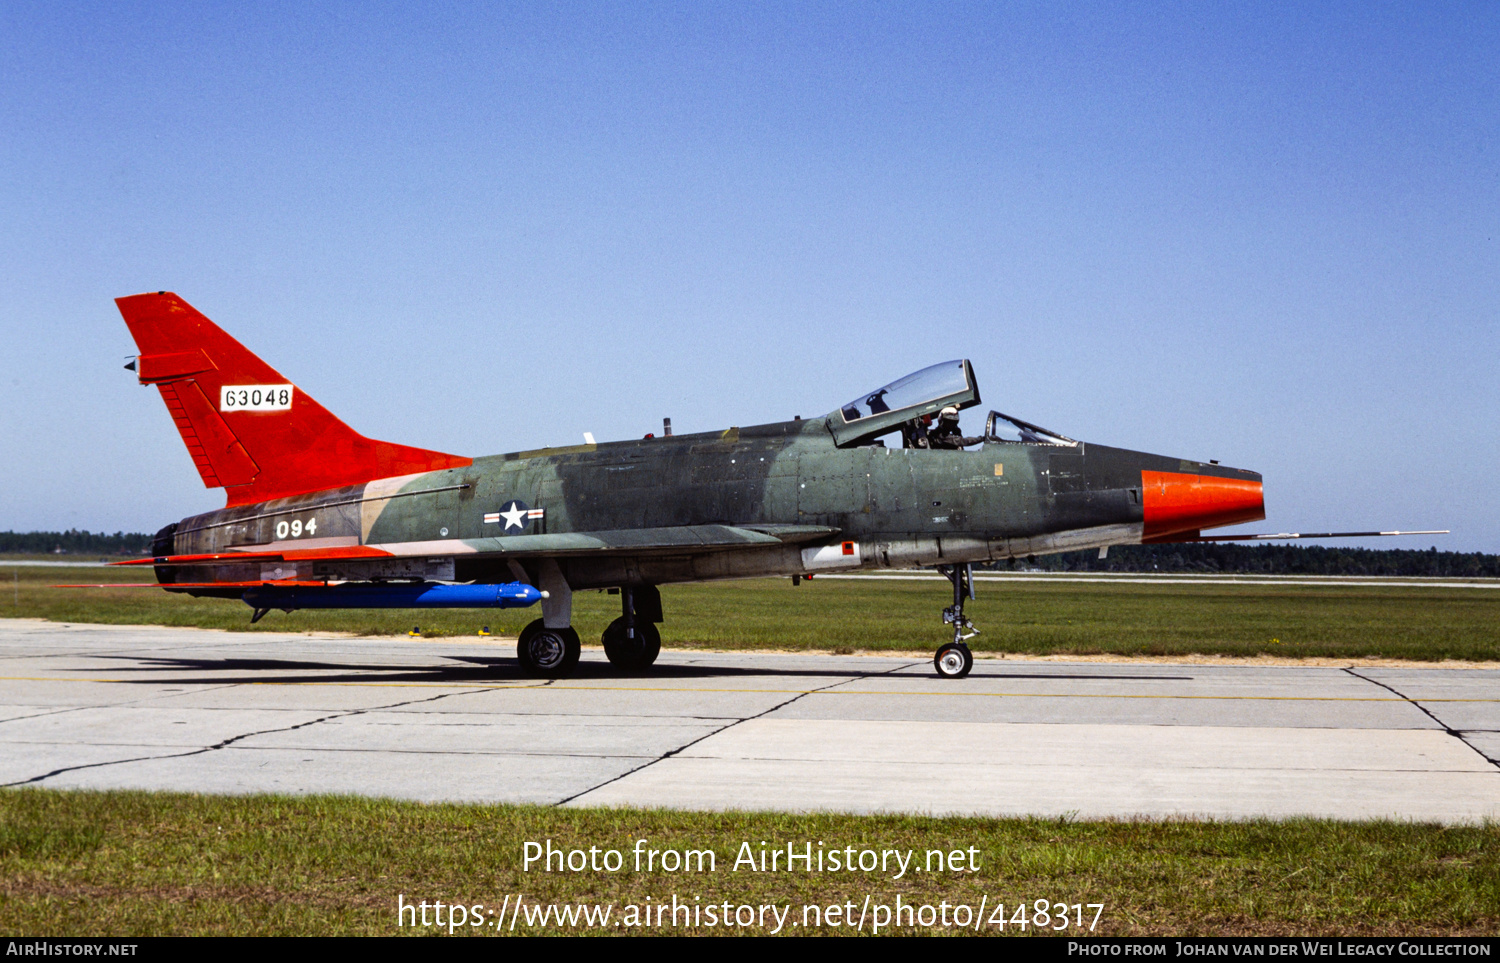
947,435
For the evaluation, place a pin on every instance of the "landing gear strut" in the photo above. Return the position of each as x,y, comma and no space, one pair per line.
632,642
953,659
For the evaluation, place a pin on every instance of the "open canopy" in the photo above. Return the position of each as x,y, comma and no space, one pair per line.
888,408
920,393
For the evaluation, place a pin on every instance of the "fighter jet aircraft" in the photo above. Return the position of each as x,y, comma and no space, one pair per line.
319,516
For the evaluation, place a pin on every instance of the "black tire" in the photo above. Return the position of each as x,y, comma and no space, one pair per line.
627,655
953,660
548,653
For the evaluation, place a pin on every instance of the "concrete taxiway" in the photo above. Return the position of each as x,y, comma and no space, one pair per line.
91,706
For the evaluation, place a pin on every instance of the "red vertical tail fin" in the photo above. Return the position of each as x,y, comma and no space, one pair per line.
249,430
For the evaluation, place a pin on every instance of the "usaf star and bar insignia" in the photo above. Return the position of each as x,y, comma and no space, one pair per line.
514,516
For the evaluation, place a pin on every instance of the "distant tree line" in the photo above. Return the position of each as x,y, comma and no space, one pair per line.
1272,559
74,542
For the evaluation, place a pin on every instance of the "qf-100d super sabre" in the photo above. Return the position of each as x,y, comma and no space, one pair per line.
319,516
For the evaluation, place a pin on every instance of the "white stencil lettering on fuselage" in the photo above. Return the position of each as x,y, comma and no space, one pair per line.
296,528
256,397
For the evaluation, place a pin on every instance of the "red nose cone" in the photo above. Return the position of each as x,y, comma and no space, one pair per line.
1175,502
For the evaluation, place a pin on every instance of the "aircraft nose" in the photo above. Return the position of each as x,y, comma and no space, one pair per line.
1176,502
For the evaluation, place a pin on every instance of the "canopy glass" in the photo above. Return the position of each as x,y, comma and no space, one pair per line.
928,386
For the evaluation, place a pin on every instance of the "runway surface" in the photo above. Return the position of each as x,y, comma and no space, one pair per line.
89,706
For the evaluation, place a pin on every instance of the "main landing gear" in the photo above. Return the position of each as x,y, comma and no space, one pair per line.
953,659
632,642
549,647
548,652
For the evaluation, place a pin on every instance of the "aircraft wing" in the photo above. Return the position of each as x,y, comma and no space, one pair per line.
634,541
638,541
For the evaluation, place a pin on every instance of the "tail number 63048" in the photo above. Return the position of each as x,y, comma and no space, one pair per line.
255,397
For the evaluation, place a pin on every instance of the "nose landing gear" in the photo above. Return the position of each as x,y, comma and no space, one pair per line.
953,659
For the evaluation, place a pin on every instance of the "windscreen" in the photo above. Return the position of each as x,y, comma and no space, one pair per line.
1005,428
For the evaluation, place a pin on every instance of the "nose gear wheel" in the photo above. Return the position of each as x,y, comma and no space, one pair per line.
953,660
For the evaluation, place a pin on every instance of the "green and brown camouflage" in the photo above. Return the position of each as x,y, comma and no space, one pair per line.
315,508
740,503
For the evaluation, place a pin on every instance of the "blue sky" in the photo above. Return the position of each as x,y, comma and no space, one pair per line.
1265,234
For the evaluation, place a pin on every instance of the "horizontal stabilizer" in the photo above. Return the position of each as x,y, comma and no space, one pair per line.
195,585
290,555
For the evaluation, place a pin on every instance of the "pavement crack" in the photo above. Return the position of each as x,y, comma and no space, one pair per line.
1455,733
242,736
709,735
49,712
94,765
142,701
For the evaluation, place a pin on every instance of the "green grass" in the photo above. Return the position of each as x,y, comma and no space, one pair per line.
1340,620
95,863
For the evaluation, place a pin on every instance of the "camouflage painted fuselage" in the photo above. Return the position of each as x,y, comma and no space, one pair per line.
778,499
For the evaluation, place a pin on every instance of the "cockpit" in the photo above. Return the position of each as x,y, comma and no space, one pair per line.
924,407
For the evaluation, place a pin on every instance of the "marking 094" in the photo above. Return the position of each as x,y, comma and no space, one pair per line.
255,397
296,528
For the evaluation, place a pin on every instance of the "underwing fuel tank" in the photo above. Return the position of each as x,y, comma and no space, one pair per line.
423,595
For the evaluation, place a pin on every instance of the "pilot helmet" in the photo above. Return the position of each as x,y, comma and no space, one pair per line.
949,413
